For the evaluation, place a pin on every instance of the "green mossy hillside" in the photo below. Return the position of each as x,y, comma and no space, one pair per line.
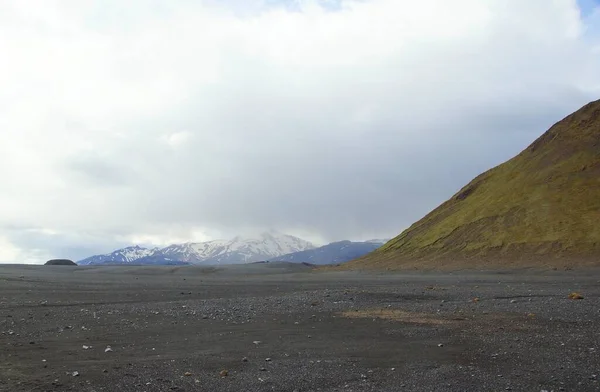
543,202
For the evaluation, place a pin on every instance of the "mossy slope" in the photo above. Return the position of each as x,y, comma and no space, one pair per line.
542,205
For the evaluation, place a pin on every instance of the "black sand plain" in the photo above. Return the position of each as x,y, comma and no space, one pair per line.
280,327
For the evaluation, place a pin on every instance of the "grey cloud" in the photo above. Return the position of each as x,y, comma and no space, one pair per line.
344,186
97,171
294,138
40,245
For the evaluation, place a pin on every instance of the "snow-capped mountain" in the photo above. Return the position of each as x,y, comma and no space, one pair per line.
334,253
238,250
121,256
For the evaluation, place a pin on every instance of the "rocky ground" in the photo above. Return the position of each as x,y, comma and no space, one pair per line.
283,328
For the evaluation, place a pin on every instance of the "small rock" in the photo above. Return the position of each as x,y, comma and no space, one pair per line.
75,374
108,349
187,374
513,301
267,359
105,371
257,342
262,369
224,373
575,295
85,347
244,359
440,345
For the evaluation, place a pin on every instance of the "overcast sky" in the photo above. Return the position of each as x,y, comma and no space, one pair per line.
151,122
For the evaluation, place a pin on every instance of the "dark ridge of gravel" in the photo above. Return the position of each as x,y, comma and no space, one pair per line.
468,331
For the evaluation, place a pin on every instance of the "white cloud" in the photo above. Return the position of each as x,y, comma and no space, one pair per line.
176,139
143,121
8,252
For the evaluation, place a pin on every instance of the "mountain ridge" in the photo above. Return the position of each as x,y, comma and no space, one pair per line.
125,255
237,250
540,207
334,253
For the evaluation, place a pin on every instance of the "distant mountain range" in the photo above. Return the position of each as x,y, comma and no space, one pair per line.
121,256
238,250
269,246
334,253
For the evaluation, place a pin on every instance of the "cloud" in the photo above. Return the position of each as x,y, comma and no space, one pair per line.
8,252
152,121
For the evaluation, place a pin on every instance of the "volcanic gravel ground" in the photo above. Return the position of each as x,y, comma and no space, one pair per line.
287,328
